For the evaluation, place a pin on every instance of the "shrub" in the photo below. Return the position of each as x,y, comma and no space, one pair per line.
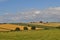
41,21
33,28
17,29
11,30
58,27
25,28
46,28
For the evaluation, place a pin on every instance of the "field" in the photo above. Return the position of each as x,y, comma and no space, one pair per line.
53,34
49,33
53,24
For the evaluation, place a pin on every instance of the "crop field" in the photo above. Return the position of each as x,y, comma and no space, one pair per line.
56,24
9,27
46,34
53,34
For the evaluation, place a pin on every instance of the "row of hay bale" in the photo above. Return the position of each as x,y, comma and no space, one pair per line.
11,27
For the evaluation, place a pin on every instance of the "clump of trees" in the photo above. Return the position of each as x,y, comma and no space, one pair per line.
41,22
25,28
17,29
33,28
46,28
58,27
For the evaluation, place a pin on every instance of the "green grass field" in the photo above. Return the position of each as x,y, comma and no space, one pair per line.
53,34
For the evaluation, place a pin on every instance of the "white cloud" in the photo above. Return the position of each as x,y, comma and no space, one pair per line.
37,12
54,8
49,14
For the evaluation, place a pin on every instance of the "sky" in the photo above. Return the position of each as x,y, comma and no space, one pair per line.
29,10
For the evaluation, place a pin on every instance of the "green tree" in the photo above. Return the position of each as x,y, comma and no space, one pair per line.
33,28
25,28
17,29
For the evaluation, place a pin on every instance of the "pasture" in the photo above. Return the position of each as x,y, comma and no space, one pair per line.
53,34
53,24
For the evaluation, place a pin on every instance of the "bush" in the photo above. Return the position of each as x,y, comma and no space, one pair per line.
58,27
41,21
46,28
25,28
33,28
17,29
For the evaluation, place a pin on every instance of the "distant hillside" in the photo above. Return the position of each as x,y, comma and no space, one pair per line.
53,24
36,24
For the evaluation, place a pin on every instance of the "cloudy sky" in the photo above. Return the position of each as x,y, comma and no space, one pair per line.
29,10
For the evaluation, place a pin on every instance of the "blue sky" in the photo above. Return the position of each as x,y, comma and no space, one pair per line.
17,5
13,7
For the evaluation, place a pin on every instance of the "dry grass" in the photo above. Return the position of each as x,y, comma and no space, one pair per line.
10,27
47,24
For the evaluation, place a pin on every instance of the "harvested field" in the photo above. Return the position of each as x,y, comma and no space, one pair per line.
47,24
10,27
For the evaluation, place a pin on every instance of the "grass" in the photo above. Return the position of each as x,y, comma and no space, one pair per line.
48,24
9,27
53,34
